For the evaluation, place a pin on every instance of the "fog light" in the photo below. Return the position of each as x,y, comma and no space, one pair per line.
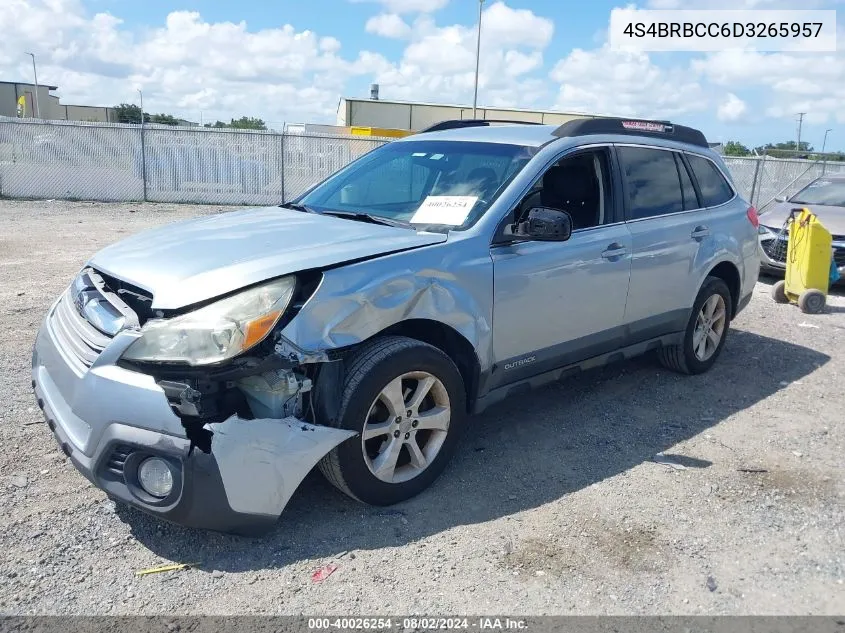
155,477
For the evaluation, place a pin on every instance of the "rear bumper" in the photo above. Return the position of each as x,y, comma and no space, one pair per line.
107,419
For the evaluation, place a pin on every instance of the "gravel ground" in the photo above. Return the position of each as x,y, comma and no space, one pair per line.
555,505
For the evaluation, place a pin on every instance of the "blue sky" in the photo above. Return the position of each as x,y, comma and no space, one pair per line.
290,61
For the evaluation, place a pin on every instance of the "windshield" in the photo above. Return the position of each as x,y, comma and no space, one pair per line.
432,184
830,193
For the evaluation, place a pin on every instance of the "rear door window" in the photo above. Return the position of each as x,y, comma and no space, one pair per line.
652,184
715,190
690,197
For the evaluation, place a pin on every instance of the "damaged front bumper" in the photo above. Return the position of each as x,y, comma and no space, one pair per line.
107,419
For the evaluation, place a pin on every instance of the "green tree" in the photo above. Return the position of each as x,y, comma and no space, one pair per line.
785,149
163,119
129,113
244,123
248,123
735,148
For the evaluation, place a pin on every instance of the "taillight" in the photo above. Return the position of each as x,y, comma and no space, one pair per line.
753,217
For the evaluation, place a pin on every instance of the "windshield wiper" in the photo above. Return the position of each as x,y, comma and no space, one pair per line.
297,207
369,217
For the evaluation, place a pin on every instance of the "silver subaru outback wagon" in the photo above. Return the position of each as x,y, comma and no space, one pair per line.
198,371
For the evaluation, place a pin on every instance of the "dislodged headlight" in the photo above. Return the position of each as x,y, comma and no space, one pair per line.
216,332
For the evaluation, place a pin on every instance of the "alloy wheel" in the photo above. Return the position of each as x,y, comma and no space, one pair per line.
709,327
406,426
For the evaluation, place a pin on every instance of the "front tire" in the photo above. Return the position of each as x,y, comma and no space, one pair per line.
706,331
406,400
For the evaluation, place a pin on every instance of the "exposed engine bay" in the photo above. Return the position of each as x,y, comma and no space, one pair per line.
272,382
249,393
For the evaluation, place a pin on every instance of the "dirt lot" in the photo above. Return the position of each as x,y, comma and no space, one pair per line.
555,505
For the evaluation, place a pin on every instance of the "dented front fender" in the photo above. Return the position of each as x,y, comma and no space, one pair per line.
450,284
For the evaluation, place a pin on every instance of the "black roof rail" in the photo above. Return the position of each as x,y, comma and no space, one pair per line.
455,124
633,127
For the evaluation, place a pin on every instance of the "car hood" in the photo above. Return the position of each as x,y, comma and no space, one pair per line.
187,262
833,218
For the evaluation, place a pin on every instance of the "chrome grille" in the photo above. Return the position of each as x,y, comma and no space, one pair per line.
74,333
87,316
776,249
839,250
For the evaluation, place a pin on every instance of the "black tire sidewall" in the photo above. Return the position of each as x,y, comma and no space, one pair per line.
357,476
711,286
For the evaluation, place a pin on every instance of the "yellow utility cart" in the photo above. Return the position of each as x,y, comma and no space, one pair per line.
808,256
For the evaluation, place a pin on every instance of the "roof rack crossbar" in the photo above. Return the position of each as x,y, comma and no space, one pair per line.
455,124
632,127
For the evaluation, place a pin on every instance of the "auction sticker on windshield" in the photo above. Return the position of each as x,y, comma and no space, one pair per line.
449,210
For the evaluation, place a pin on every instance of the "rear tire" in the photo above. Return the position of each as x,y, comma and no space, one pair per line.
812,301
384,371
779,292
706,331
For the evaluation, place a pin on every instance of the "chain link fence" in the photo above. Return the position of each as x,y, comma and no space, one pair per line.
114,162
761,180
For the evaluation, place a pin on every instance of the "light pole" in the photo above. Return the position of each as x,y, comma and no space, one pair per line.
143,148
824,142
800,124
35,74
477,59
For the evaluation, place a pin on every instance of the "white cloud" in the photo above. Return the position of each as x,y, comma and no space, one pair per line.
607,81
329,44
410,6
189,65
732,109
185,66
439,61
388,25
520,27
786,82
736,4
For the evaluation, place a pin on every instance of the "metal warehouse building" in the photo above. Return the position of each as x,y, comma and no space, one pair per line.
405,115
48,104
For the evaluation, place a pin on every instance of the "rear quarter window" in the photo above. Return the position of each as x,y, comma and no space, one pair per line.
714,188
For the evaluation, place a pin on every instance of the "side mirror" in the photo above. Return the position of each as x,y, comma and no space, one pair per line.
545,224
781,199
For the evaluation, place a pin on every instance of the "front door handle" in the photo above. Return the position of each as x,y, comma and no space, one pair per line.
614,251
700,232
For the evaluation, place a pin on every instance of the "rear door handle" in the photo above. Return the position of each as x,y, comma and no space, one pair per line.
614,251
700,232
